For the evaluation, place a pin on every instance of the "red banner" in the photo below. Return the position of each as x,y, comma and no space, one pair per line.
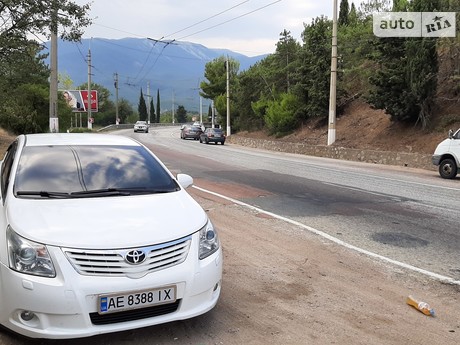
78,100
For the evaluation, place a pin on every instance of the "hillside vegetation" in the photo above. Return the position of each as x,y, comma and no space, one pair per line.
361,127
406,85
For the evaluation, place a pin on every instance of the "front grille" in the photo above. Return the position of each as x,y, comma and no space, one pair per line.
113,263
136,314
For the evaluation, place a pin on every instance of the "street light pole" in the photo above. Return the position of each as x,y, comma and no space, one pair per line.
333,90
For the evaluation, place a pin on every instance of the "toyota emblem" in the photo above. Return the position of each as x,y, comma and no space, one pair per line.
135,257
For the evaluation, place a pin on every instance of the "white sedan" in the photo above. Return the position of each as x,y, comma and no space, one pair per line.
97,236
141,126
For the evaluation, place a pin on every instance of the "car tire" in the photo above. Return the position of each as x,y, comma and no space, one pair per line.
448,168
206,141
222,142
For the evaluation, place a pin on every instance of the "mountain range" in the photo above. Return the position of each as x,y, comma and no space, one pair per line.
174,68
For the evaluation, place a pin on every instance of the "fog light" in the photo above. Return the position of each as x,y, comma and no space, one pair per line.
27,315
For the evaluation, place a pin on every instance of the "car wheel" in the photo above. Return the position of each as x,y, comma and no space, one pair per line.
448,168
222,142
206,141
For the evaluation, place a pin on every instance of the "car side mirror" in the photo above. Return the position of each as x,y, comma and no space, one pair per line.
451,134
185,180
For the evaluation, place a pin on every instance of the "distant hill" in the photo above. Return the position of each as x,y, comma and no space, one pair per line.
174,69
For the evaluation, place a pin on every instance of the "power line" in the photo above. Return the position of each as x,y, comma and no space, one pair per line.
230,20
204,20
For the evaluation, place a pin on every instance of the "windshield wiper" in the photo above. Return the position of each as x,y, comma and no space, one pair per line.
99,193
43,194
120,191
94,193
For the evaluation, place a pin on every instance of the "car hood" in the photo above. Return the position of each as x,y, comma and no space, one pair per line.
107,222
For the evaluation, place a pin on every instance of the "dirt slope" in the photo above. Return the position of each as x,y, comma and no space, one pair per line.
365,128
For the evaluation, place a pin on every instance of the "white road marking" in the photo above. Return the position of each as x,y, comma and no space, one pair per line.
433,275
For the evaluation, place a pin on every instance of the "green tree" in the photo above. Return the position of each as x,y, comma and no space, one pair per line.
181,114
252,86
314,72
405,84
24,87
125,110
344,13
142,107
158,106
285,61
263,82
353,15
215,86
152,111
22,71
280,116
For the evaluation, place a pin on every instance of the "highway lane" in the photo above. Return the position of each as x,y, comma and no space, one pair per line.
408,215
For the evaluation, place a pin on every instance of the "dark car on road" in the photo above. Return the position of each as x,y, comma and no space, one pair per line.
190,132
212,135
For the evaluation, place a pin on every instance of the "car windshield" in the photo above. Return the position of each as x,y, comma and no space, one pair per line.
47,171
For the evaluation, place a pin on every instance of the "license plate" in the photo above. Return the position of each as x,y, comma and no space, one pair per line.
137,299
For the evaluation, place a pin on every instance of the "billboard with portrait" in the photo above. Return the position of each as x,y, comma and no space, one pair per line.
78,100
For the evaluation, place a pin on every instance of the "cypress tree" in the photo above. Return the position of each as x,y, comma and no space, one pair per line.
344,12
152,111
158,106
142,107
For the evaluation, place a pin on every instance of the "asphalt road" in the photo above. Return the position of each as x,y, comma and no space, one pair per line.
408,215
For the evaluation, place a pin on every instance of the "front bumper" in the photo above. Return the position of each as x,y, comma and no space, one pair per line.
66,306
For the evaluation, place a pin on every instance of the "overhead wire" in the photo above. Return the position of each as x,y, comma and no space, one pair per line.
230,20
211,17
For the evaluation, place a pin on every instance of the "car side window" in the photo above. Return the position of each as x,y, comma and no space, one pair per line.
6,168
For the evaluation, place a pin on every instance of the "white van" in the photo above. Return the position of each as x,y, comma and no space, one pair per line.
447,155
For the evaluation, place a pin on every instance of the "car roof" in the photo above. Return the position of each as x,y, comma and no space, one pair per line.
77,139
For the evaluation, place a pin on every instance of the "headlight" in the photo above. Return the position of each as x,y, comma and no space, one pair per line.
209,241
28,257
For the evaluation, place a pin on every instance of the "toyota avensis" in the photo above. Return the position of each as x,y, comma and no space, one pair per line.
98,236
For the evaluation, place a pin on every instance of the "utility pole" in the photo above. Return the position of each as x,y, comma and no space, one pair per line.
227,63
201,110
148,102
54,121
173,106
333,90
213,113
90,124
116,99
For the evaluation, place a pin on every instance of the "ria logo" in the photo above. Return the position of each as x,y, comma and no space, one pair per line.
414,24
135,257
438,25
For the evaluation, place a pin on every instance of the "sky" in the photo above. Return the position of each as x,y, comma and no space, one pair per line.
249,27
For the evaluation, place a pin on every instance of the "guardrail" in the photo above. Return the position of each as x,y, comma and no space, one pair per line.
131,125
